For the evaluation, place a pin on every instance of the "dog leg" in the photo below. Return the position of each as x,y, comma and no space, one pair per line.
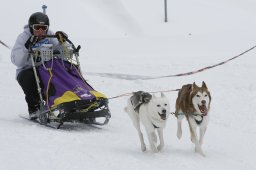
154,138
202,132
137,126
198,148
179,121
192,127
142,143
151,141
194,138
161,139
136,123
193,135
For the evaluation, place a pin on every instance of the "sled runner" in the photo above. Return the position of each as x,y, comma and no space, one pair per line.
65,96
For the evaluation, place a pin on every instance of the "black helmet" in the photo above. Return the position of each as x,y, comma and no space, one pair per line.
38,18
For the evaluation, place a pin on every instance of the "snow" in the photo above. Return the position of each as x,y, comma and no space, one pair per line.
130,37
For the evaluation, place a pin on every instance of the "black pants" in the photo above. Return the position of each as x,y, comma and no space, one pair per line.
27,81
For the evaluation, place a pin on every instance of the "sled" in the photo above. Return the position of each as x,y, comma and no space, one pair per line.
65,96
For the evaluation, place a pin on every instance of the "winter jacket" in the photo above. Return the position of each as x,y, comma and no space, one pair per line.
19,54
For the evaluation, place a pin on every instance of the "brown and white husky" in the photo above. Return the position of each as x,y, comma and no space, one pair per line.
193,102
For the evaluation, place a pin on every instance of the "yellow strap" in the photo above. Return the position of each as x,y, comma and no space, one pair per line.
64,47
95,104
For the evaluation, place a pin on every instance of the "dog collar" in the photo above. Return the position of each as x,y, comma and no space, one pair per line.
155,126
198,122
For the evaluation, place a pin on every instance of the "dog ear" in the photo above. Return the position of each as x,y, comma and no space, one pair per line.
194,86
162,95
204,85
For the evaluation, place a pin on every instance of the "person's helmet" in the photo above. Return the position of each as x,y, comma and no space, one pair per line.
38,18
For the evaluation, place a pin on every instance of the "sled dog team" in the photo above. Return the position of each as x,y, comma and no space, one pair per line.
193,102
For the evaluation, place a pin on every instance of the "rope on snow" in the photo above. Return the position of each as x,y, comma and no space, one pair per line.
206,68
4,44
138,77
185,74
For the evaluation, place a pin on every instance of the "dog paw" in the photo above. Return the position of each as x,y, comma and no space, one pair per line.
179,134
154,149
160,147
193,139
203,154
143,148
199,150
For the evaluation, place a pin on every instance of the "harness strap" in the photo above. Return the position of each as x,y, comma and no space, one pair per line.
155,126
198,122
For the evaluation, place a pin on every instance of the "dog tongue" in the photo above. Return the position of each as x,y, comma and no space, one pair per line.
203,110
163,116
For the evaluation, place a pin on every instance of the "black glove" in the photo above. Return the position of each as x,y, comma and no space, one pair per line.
61,36
31,41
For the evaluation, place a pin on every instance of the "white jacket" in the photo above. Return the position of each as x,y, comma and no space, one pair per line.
19,55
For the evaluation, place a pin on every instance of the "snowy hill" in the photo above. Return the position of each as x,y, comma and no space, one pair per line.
130,37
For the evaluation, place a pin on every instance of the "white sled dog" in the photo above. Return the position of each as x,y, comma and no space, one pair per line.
153,112
194,103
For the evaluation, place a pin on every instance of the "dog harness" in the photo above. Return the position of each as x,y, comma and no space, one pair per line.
138,98
198,122
155,126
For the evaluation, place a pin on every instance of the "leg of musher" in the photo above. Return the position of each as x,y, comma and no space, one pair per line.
28,84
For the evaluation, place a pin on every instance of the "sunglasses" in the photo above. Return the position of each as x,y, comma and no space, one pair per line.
37,27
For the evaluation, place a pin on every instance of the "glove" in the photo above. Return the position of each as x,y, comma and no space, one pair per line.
61,36
31,41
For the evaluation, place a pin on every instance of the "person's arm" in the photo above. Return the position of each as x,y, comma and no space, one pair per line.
53,41
19,54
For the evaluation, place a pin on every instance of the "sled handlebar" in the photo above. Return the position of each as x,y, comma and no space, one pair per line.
49,36
76,50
